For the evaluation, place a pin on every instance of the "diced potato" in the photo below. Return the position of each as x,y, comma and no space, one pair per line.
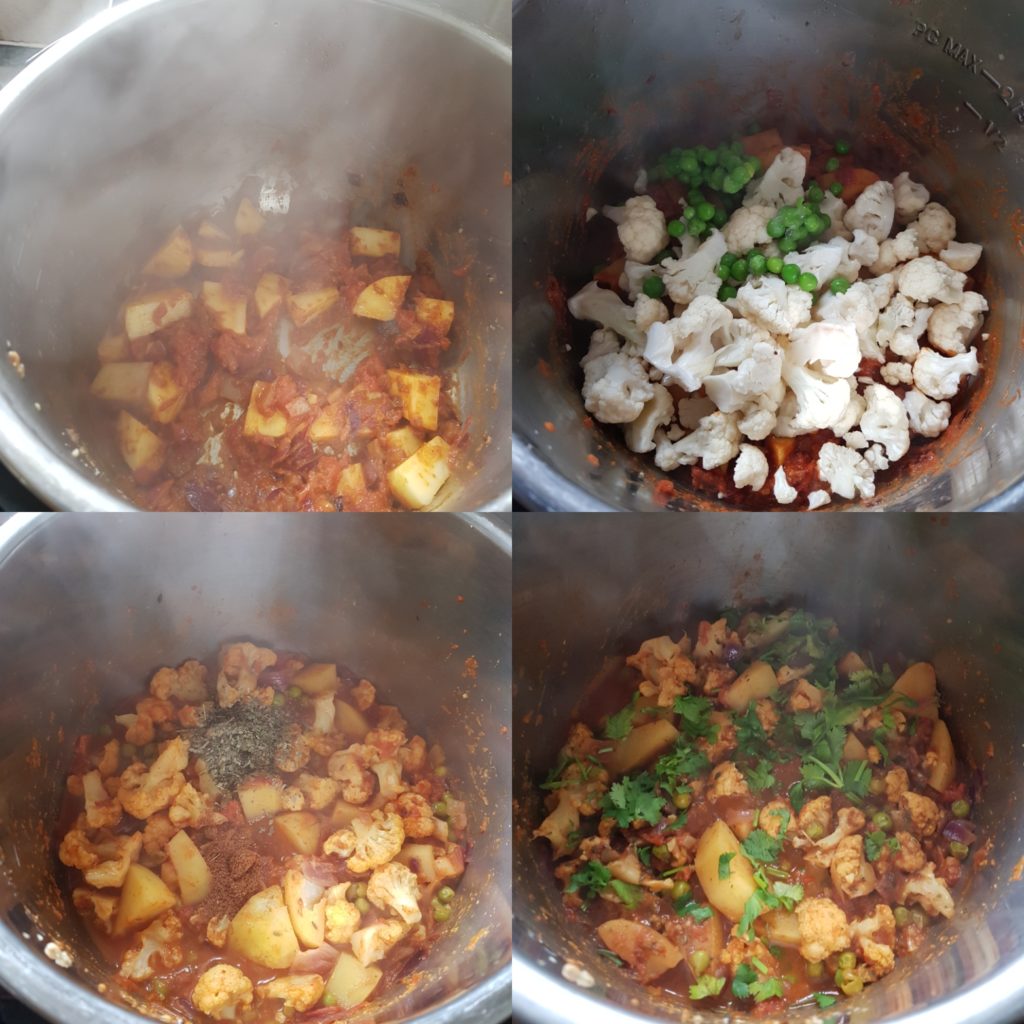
209,232
853,749
305,306
143,897
218,257
300,829
727,895
206,784
352,483
648,952
141,448
351,983
306,908
248,219
173,258
269,294
419,858
126,383
227,304
643,744
194,878
416,481
342,814
420,394
941,776
435,313
262,931
258,424
382,299
93,789
114,348
782,928
331,423
916,691
374,242
149,313
402,443
164,394
754,682
318,677
260,798
350,720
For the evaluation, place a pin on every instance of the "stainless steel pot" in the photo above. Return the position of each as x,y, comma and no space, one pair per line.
91,604
946,589
159,107
932,87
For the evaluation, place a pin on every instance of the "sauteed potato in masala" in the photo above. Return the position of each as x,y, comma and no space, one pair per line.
770,820
271,361
273,845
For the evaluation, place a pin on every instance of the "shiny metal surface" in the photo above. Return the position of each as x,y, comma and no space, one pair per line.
942,588
91,604
158,107
930,86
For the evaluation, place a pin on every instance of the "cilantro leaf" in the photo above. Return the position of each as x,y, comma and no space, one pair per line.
706,985
742,978
643,854
759,776
768,988
590,881
824,1000
687,906
615,959
631,799
875,842
762,848
752,910
673,768
788,894
631,895
620,725
695,717
724,870
732,616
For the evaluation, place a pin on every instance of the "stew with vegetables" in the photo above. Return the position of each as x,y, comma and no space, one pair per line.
272,361
261,842
770,820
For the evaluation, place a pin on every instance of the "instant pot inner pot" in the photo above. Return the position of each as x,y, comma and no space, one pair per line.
91,606
942,590
926,87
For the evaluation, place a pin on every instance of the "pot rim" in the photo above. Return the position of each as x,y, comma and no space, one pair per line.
22,448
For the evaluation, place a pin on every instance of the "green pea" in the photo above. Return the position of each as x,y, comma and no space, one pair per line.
850,985
847,960
442,770
160,988
959,850
294,692
774,264
787,245
876,786
706,156
362,905
836,188
837,286
719,218
723,272
689,212
695,197
278,700
689,164
105,731
754,163
446,894
441,912
440,808
832,164
329,999
654,287
814,830
728,259
676,228
815,224
662,852
726,292
882,820
808,282
680,889
705,211
700,961
683,800
790,273
790,216
842,147
960,808
697,227
739,269
357,890
901,915
775,227
815,194
757,264
816,970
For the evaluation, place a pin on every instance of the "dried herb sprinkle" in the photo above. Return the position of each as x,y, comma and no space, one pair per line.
239,741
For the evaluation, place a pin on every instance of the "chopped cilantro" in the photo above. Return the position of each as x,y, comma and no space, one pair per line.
762,848
631,799
612,956
687,906
853,778
631,895
874,842
742,978
620,725
768,988
732,616
673,768
695,717
774,896
590,881
824,1000
759,776
706,985
789,895
724,870
554,779
643,854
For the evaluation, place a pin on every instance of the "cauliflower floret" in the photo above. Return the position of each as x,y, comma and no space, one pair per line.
823,929
897,782
772,304
851,873
873,210
845,471
900,324
751,469
348,768
159,941
927,279
862,252
827,347
293,750
369,843
939,376
317,791
775,812
667,670
323,713
911,197
374,942
143,792
100,810
850,821
962,256
657,412
100,906
835,209
783,491
222,992
726,780
187,683
193,809
389,777
758,418
138,729
240,666
631,281
815,402
925,816
893,251
300,992
746,228
217,929
927,418
715,442
615,386
363,694
694,276
936,228
561,822
725,740
952,328
897,373
684,349
342,916
873,939
394,887
909,857
649,311
642,229
602,306
816,813
931,894
885,421
782,183
760,373
823,260
857,306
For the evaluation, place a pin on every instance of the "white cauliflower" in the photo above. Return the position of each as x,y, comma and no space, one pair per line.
726,780
300,992
824,929
143,792
602,306
615,386
927,418
374,942
193,809
394,887
873,211
827,347
882,288
687,279
221,992
323,713
911,197
187,683
758,418
751,469
863,250
389,777
100,810
104,862
927,279
925,816
642,229
715,442
952,327
772,304
657,412
349,769
851,416
885,421
649,311
898,373
823,261
873,939
835,209
900,325
893,251
845,471
161,942
814,402
319,793
962,256
851,873
782,183
341,917
759,374
369,843
874,456
747,228
818,499
855,306
931,894
684,349
784,493
936,228
101,907
820,853
939,376
632,278
240,667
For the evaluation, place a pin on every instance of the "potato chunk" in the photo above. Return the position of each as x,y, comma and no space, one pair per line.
218,258
420,394
300,829
416,481
149,313
350,721
754,682
317,677
262,931
374,242
260,798
227,305
306,908
351,983
402,443
941,776
143,897
194,878
173,258
352,483
114,348
259,424
643,744
248,219
269,294
164,394
141,448
126,383
648,952
382,299
915,692
305,306
727,895
437,314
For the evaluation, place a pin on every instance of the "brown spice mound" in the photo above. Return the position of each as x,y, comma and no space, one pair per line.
238,870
